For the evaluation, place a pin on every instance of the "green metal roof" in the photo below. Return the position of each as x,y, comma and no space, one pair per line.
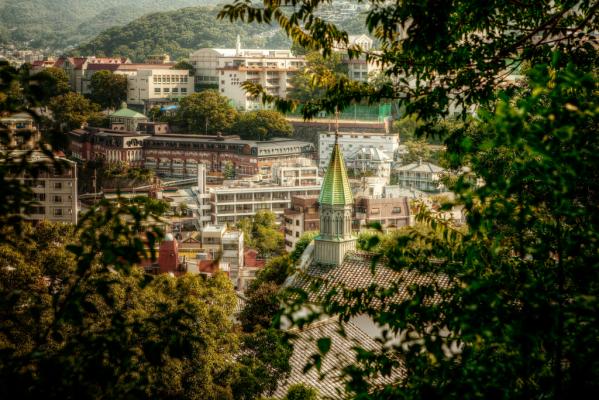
127,113
335,186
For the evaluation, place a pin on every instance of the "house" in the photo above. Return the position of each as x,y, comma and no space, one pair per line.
126,119
424,176
350,143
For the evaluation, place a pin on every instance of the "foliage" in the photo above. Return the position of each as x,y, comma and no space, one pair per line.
178,33
207,112
53,82
184,64
262,233
301,244
264,363
261,306
261,125
71,110
123,171
61,23
441,56
229,170
319,74
421,150
107,89
300,391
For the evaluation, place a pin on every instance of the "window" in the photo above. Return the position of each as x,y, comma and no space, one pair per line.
157,90
166,90
37,210
297,222
183,90
159,78
296,234
375,211
175,90
58,199
57,185
396,210
39,196
58,212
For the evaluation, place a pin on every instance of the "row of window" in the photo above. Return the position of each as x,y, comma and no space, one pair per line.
158,90
57,212
170,78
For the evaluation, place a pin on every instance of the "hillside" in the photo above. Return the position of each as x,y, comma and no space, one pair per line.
182,31
62,23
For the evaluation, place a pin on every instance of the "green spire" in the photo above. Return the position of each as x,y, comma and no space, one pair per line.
335,186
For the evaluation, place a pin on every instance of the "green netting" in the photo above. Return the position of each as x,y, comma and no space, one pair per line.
357,112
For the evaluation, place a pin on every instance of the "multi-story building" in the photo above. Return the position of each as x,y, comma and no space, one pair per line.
179,155
301,217
351,142
54,190
19,131
232,254
81,69
389,212
420,175
233,203
360,69
150,84
229,68
303,172
370,161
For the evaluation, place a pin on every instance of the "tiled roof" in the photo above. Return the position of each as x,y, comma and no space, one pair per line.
421,167
335,185
356,272
127,113
341,354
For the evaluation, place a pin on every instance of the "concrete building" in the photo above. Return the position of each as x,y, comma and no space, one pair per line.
229,68
389,212
422,176
302,173
179,155
154,84
232,254
372,161
54,191
233,203
19,131
360,69
301,217
350,142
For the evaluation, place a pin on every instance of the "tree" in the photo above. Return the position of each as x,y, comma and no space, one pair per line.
229,170
261,125
207,112
184,64
107,89
300,391
319,74
301,244
71,110
514,318
262,233
52,82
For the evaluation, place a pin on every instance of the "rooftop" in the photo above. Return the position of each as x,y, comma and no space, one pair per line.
336,189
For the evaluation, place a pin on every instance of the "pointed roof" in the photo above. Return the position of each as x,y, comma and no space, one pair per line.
126,112
335,186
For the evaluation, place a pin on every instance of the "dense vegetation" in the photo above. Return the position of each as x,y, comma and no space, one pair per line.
61,23
181,32
513,314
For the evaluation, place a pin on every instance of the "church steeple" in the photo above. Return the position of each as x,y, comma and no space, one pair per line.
336,206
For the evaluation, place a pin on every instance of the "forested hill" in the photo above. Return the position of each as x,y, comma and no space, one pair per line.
62,23
180,32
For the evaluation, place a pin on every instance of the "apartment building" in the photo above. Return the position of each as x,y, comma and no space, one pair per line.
303,172
229,68
351,142
389,212
232,254
302,216
360,69
233,203
370,161
422,176
54,191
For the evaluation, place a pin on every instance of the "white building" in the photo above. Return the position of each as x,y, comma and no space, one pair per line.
302,173
233,203
360,69
54,192
371,160
351,142
232,254
229,68
422,176
156,84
